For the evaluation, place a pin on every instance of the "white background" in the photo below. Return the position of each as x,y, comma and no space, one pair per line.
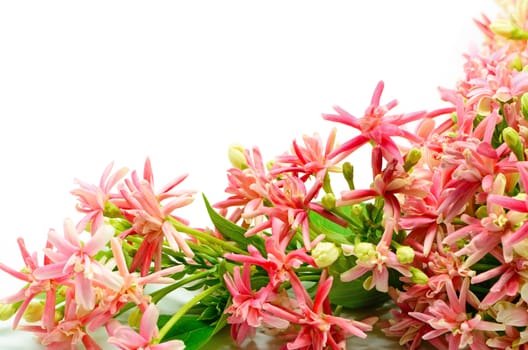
86,83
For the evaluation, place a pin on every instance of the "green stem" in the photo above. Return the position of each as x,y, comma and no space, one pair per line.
206,237
183,310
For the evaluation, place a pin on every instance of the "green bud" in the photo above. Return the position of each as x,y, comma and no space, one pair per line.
328,201
325,254
508,30
327,186
524,105
512,139
134,319
111,210
365,251
237,157
412,158
516,64
405,254
348,173
6,311
418,276
33,312
481,212
357,209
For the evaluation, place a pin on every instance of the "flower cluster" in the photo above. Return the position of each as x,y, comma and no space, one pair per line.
441,235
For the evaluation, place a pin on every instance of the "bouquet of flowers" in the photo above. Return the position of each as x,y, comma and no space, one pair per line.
441,235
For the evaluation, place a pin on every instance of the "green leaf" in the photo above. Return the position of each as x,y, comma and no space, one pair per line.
232,231
333,232
353,296
193,332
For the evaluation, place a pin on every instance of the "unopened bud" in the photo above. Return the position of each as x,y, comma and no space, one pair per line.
412,158
134,319
524,105
6,311
348,173
405,254
328,201
516,63
512,139
508,30
325,254
418,276
237,156
365,251
111,210
34,312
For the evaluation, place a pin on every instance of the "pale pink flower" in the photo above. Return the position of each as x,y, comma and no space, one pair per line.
73,258
450,319
34,287
69,333
312,159
376,259
130,288
125,338
513,237
93,199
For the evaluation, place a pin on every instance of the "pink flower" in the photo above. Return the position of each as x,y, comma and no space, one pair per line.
35,286
94,200
248,188
376,259
68,333
320,329
312,159
74,259
130,288
376,126
248,309
125,338
278,264
451,318
150,217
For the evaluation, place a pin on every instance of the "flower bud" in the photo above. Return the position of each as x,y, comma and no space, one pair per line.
365,251
34,312
412,158
512,139
418,276
348,173
134,319
508,30
328,201
6,311
237,156
516,63
325,254
524,105
405,254
111,210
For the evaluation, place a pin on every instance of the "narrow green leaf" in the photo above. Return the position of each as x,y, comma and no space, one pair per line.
232,231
